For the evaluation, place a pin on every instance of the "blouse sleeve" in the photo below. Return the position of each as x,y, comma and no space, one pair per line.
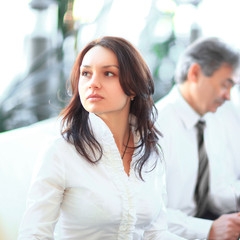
159,227
44,198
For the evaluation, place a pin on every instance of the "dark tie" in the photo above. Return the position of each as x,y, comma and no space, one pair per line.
201,190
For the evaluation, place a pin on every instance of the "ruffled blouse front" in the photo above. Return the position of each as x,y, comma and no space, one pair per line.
94,201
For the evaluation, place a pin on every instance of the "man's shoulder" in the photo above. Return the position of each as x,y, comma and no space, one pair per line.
167,118
165,107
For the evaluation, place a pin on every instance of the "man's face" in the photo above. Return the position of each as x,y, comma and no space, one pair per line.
213,91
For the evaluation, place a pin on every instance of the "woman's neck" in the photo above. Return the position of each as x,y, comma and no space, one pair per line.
119,126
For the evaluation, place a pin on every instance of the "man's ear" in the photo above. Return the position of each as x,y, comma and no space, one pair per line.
194,72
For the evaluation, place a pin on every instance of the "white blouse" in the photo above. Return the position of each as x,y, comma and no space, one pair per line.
92,202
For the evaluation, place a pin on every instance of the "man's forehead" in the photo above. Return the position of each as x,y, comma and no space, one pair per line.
233,73
236,76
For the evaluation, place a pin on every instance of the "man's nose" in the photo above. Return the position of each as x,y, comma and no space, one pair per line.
227,94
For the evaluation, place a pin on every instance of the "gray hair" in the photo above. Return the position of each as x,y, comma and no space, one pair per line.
210,54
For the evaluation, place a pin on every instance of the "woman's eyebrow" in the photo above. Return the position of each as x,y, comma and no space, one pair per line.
106,66
86,66
113,65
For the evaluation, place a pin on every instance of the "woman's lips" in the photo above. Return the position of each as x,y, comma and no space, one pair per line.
94,97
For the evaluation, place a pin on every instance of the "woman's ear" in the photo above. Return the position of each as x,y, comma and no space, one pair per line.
194,72
132,96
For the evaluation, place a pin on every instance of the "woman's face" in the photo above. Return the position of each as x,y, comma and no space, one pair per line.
99,87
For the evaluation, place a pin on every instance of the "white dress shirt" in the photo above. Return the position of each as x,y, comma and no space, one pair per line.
224,128
229,119
176,120
95,201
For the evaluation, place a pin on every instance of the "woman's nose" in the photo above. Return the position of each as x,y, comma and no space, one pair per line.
95,81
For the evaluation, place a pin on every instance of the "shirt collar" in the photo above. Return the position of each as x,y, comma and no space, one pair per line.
187,114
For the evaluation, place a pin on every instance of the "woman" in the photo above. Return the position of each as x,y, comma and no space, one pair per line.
103,179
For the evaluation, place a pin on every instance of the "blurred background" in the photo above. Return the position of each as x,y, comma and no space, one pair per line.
41,38
39,42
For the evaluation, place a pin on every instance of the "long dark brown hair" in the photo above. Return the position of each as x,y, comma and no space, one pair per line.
134,77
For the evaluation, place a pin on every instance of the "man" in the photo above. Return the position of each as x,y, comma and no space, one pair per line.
205,74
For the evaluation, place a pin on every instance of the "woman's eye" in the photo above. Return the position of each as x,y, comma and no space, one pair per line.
109,74
85,74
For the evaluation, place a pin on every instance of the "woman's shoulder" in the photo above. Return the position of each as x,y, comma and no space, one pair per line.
56,145
59,141
55,153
